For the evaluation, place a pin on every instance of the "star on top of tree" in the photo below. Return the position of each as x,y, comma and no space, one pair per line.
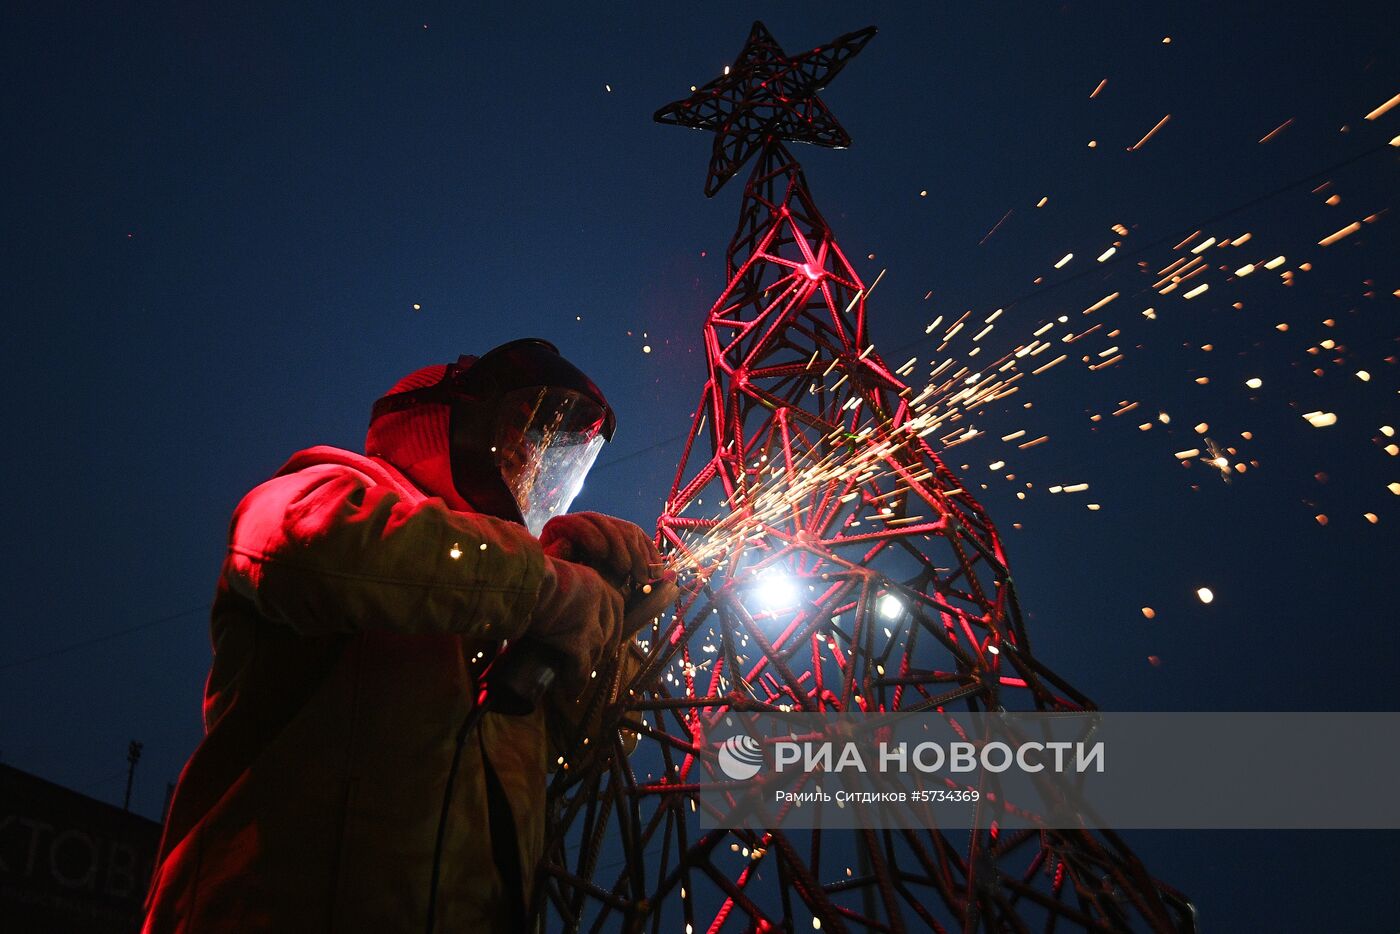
766,94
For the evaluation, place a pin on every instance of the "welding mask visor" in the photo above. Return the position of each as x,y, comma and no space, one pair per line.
545,442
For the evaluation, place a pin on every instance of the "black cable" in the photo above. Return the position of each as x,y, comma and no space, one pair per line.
521,676
73,646
1167,238
1088,270
651,447
468,725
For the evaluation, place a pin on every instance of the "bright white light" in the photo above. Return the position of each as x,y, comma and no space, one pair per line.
891,606
777,591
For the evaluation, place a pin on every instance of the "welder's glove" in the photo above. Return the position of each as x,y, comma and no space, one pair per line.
579,615
615,548
622,553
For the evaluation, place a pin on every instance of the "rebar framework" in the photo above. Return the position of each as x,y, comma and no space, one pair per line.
831,562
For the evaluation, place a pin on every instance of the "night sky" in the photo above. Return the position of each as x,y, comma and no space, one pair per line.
229,231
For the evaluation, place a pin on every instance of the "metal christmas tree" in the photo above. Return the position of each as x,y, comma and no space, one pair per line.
832,563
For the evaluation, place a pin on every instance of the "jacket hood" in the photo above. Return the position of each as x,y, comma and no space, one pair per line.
417,441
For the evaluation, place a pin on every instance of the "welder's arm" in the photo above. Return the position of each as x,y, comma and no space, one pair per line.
327,550
573,715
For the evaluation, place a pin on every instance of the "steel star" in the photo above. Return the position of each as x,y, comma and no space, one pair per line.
766,94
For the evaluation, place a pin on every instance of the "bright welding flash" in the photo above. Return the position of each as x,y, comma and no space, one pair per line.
777,591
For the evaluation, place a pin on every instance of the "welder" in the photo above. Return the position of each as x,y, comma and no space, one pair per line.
367,606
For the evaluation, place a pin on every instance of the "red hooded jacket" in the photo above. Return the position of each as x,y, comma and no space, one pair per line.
351,614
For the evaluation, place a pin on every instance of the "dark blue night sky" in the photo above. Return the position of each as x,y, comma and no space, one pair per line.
230,229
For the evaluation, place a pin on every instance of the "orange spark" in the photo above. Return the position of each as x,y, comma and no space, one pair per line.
1276,130
1346,231
1139,143
1381,110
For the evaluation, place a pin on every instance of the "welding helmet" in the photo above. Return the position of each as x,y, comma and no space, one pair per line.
525,427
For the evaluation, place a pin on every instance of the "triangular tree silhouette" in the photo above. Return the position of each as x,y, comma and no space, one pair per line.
834,564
